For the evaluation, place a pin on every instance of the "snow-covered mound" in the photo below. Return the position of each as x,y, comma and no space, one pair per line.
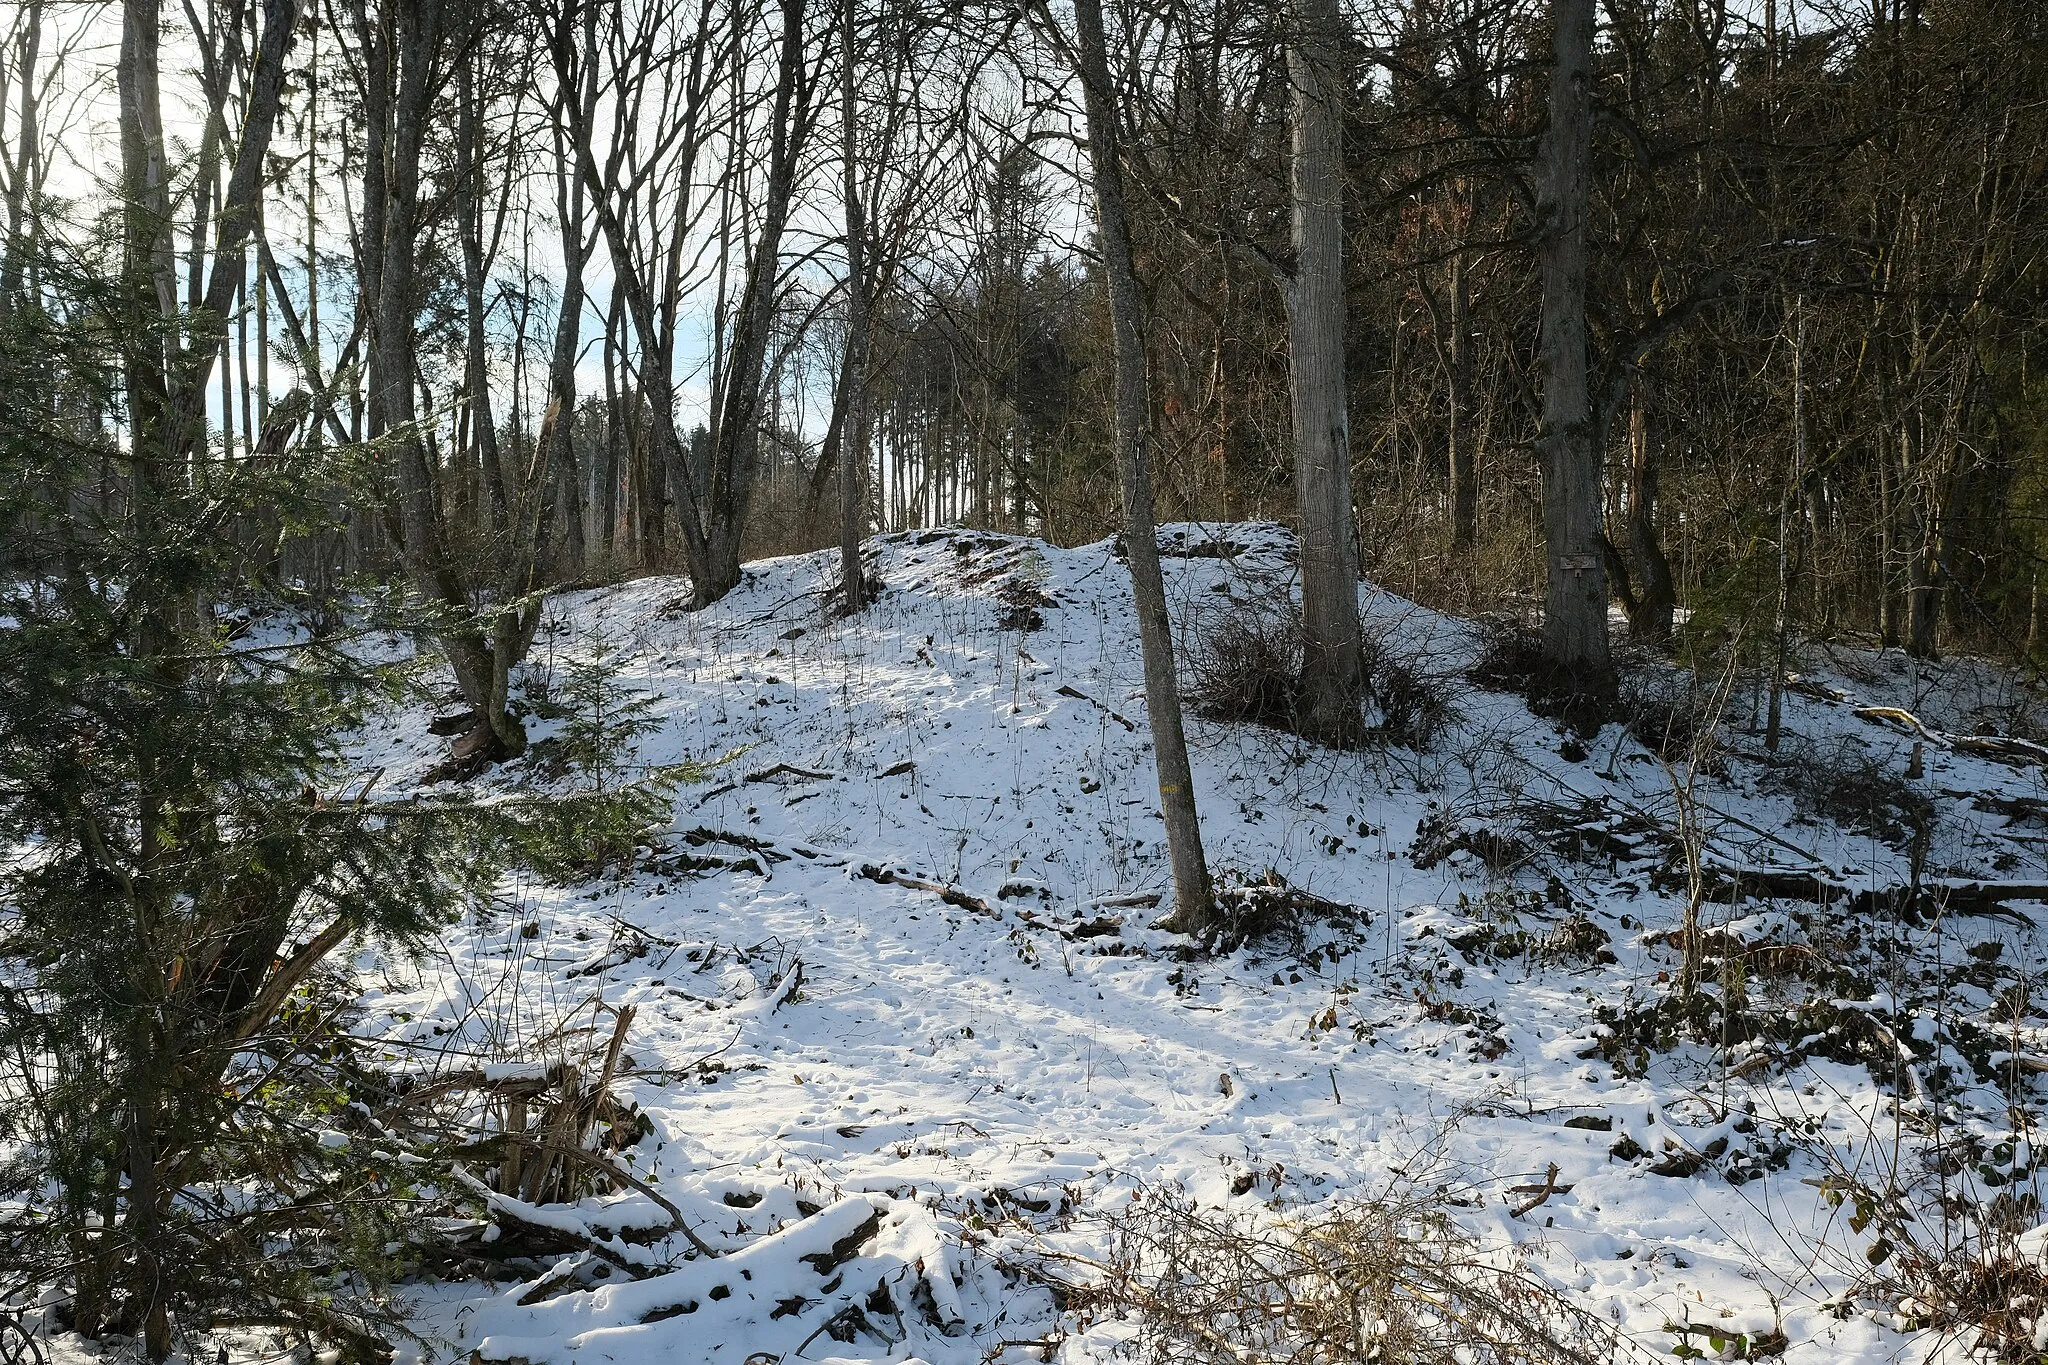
883,1104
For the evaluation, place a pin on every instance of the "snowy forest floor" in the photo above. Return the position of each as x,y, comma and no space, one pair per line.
950,1103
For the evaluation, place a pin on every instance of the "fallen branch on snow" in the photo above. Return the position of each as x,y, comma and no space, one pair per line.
1078,695
951,895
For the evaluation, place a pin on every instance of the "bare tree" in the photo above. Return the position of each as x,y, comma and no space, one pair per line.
854,372
1193,902
736,434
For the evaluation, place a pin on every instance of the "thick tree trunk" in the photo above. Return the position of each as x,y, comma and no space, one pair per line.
1575,603
148,296
147,292
1333,664
474,651
738,433
1193,903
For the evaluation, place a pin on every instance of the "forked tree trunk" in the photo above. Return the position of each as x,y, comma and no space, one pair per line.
1193,904
737,436
1575,603
1333,664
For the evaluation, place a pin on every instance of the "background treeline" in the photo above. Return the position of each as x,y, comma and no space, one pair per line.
579,275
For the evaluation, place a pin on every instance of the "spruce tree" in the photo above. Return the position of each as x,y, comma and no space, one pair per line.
183,847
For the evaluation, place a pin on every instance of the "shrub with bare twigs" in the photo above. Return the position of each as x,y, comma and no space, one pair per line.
1389,1279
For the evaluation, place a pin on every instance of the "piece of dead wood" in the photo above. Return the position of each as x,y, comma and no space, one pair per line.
703,835
1078,695
787,986
770,774
1752,1064
561,1273
550,1238
1099,927
1987,899
2011,807
1818,691
676,1222
1897,717
898,769
951,895
2019,753
704,864
1134,900
847,1247
1537,1193
1730,884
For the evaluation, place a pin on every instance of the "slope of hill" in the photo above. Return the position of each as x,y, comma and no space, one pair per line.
907,1050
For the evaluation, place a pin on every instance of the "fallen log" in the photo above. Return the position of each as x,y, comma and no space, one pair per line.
1730,884
1955,898
770,774
2009,749
951,895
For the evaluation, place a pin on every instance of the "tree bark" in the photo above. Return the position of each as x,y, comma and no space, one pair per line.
1464,468
1924,576
148,299
1575,603
1655,604
1333,663
14,247
485,474
1193,903
1788,512
737,442
853,457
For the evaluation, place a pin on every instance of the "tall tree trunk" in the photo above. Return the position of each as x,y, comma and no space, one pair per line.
1923,493
853,458
485,473
1788,513
1193,903
1333,662
28,134
1575,604
148,296
738,434
416,39
1464,470
1656,599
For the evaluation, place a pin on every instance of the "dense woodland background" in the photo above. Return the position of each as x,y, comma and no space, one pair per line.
580,275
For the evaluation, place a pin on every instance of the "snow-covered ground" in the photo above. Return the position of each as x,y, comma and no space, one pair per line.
992,1087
